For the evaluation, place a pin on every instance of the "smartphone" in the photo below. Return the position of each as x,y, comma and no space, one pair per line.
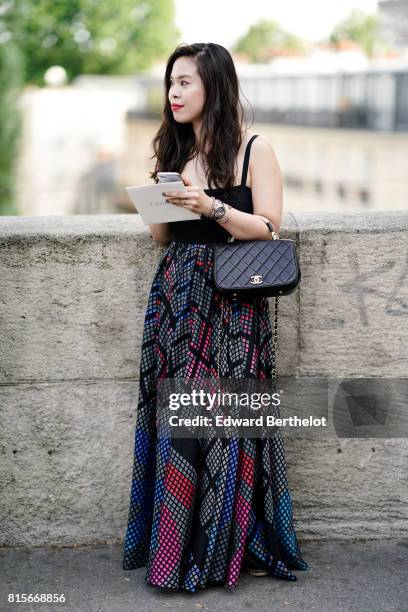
169,177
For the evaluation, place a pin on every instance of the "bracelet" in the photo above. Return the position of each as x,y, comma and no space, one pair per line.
224,219
211,213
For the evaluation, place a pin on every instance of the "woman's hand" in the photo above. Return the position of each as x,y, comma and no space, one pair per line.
193,198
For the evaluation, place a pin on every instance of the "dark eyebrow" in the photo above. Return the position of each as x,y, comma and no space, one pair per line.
182,75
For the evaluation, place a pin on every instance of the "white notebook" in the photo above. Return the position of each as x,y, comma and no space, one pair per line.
152,206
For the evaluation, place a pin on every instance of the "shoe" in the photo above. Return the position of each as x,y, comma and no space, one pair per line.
257,572
165,589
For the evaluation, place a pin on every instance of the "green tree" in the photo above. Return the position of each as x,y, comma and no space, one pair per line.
11,82
264,38
94,36
361,28
83,36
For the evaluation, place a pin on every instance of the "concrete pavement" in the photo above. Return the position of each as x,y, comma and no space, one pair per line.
344,577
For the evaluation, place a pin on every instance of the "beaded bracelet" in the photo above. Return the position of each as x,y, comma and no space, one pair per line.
211,213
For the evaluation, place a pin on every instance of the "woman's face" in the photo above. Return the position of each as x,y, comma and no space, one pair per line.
186,90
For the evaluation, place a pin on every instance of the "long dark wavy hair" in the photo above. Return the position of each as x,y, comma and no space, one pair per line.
223,116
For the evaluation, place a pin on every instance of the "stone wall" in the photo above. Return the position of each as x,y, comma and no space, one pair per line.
73,295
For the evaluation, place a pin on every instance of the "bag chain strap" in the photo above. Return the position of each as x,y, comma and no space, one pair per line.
275,339
275,325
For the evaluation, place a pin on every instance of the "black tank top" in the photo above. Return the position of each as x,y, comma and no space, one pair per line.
205,230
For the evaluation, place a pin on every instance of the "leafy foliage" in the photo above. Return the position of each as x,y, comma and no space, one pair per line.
82,36
94,36
11,67
266,38
361,28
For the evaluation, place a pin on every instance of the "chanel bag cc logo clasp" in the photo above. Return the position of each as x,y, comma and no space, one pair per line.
256,279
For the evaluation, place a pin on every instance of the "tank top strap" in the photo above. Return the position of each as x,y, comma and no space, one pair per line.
246,160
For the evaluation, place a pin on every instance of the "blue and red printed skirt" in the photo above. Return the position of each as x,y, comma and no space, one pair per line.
203,509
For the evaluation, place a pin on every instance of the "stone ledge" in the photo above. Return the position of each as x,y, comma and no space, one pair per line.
72,306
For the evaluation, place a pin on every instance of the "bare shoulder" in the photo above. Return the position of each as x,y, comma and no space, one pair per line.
262,146
262,153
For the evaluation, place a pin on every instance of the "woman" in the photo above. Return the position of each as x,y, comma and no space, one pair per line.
201,510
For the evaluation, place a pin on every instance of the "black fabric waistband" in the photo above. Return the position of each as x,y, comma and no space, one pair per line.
178,241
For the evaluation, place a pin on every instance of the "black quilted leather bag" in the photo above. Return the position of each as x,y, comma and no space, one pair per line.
251,268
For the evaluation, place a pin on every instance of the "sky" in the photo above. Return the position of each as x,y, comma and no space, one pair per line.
222,22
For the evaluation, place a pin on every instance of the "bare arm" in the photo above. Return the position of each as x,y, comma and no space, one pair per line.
161,233
267,190
266,196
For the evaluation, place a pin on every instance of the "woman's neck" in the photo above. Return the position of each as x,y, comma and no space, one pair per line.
197,126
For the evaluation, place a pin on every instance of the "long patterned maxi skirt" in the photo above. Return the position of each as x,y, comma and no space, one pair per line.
203,509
